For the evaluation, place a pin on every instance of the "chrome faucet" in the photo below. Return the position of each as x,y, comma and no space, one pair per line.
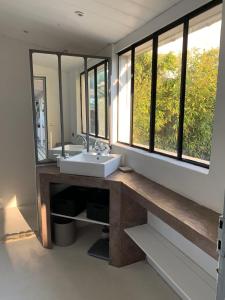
101,148
80,136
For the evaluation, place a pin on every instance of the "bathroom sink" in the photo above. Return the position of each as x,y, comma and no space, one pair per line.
70,149
90,164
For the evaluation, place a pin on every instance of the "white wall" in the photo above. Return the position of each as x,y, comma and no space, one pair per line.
17,164
206,188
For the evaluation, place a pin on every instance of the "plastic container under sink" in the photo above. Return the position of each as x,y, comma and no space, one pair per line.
64,231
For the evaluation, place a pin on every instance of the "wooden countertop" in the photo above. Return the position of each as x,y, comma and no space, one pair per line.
195,222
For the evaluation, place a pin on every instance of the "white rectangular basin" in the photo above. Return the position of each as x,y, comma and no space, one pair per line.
87,164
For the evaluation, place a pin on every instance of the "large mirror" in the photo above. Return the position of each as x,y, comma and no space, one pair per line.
46,105
59,103
74,141
97,99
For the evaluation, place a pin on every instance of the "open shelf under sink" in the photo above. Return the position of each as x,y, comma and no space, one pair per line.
81,217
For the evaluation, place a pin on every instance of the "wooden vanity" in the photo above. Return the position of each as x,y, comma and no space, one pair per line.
131,197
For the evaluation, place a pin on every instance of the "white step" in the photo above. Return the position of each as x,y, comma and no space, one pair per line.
181,273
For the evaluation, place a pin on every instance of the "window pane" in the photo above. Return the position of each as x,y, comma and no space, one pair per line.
83,104
168,90
201,82
91,96
101,93
124,105
142,94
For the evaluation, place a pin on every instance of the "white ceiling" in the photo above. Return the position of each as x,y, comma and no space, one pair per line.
53,24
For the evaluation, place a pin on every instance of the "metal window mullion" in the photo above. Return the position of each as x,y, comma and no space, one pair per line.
96,101
33,106
61,104
86,101
118,97
132,94
182,91
81,105
46,114
153,93
106,101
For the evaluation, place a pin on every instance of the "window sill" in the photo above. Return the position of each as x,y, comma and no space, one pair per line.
162,158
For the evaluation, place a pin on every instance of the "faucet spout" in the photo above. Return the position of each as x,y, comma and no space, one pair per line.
84,140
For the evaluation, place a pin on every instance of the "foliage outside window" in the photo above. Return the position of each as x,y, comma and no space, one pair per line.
97,99
167,88
124,101
141,102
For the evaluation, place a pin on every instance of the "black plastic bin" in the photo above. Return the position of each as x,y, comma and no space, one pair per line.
70,202
98,205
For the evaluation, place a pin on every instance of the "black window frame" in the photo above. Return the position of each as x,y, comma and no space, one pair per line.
95,68
154,38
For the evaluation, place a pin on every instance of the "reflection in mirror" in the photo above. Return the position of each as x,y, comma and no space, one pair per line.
59,104
97,98
102,100
83,106
71,69
92,103
40,105
47,108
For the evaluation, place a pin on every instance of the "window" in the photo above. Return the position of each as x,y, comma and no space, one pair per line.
167,87
124,105
168,90
142,94
102,100
92,104
97,98
201,81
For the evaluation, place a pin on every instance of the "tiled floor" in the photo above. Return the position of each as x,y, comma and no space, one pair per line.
30,272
